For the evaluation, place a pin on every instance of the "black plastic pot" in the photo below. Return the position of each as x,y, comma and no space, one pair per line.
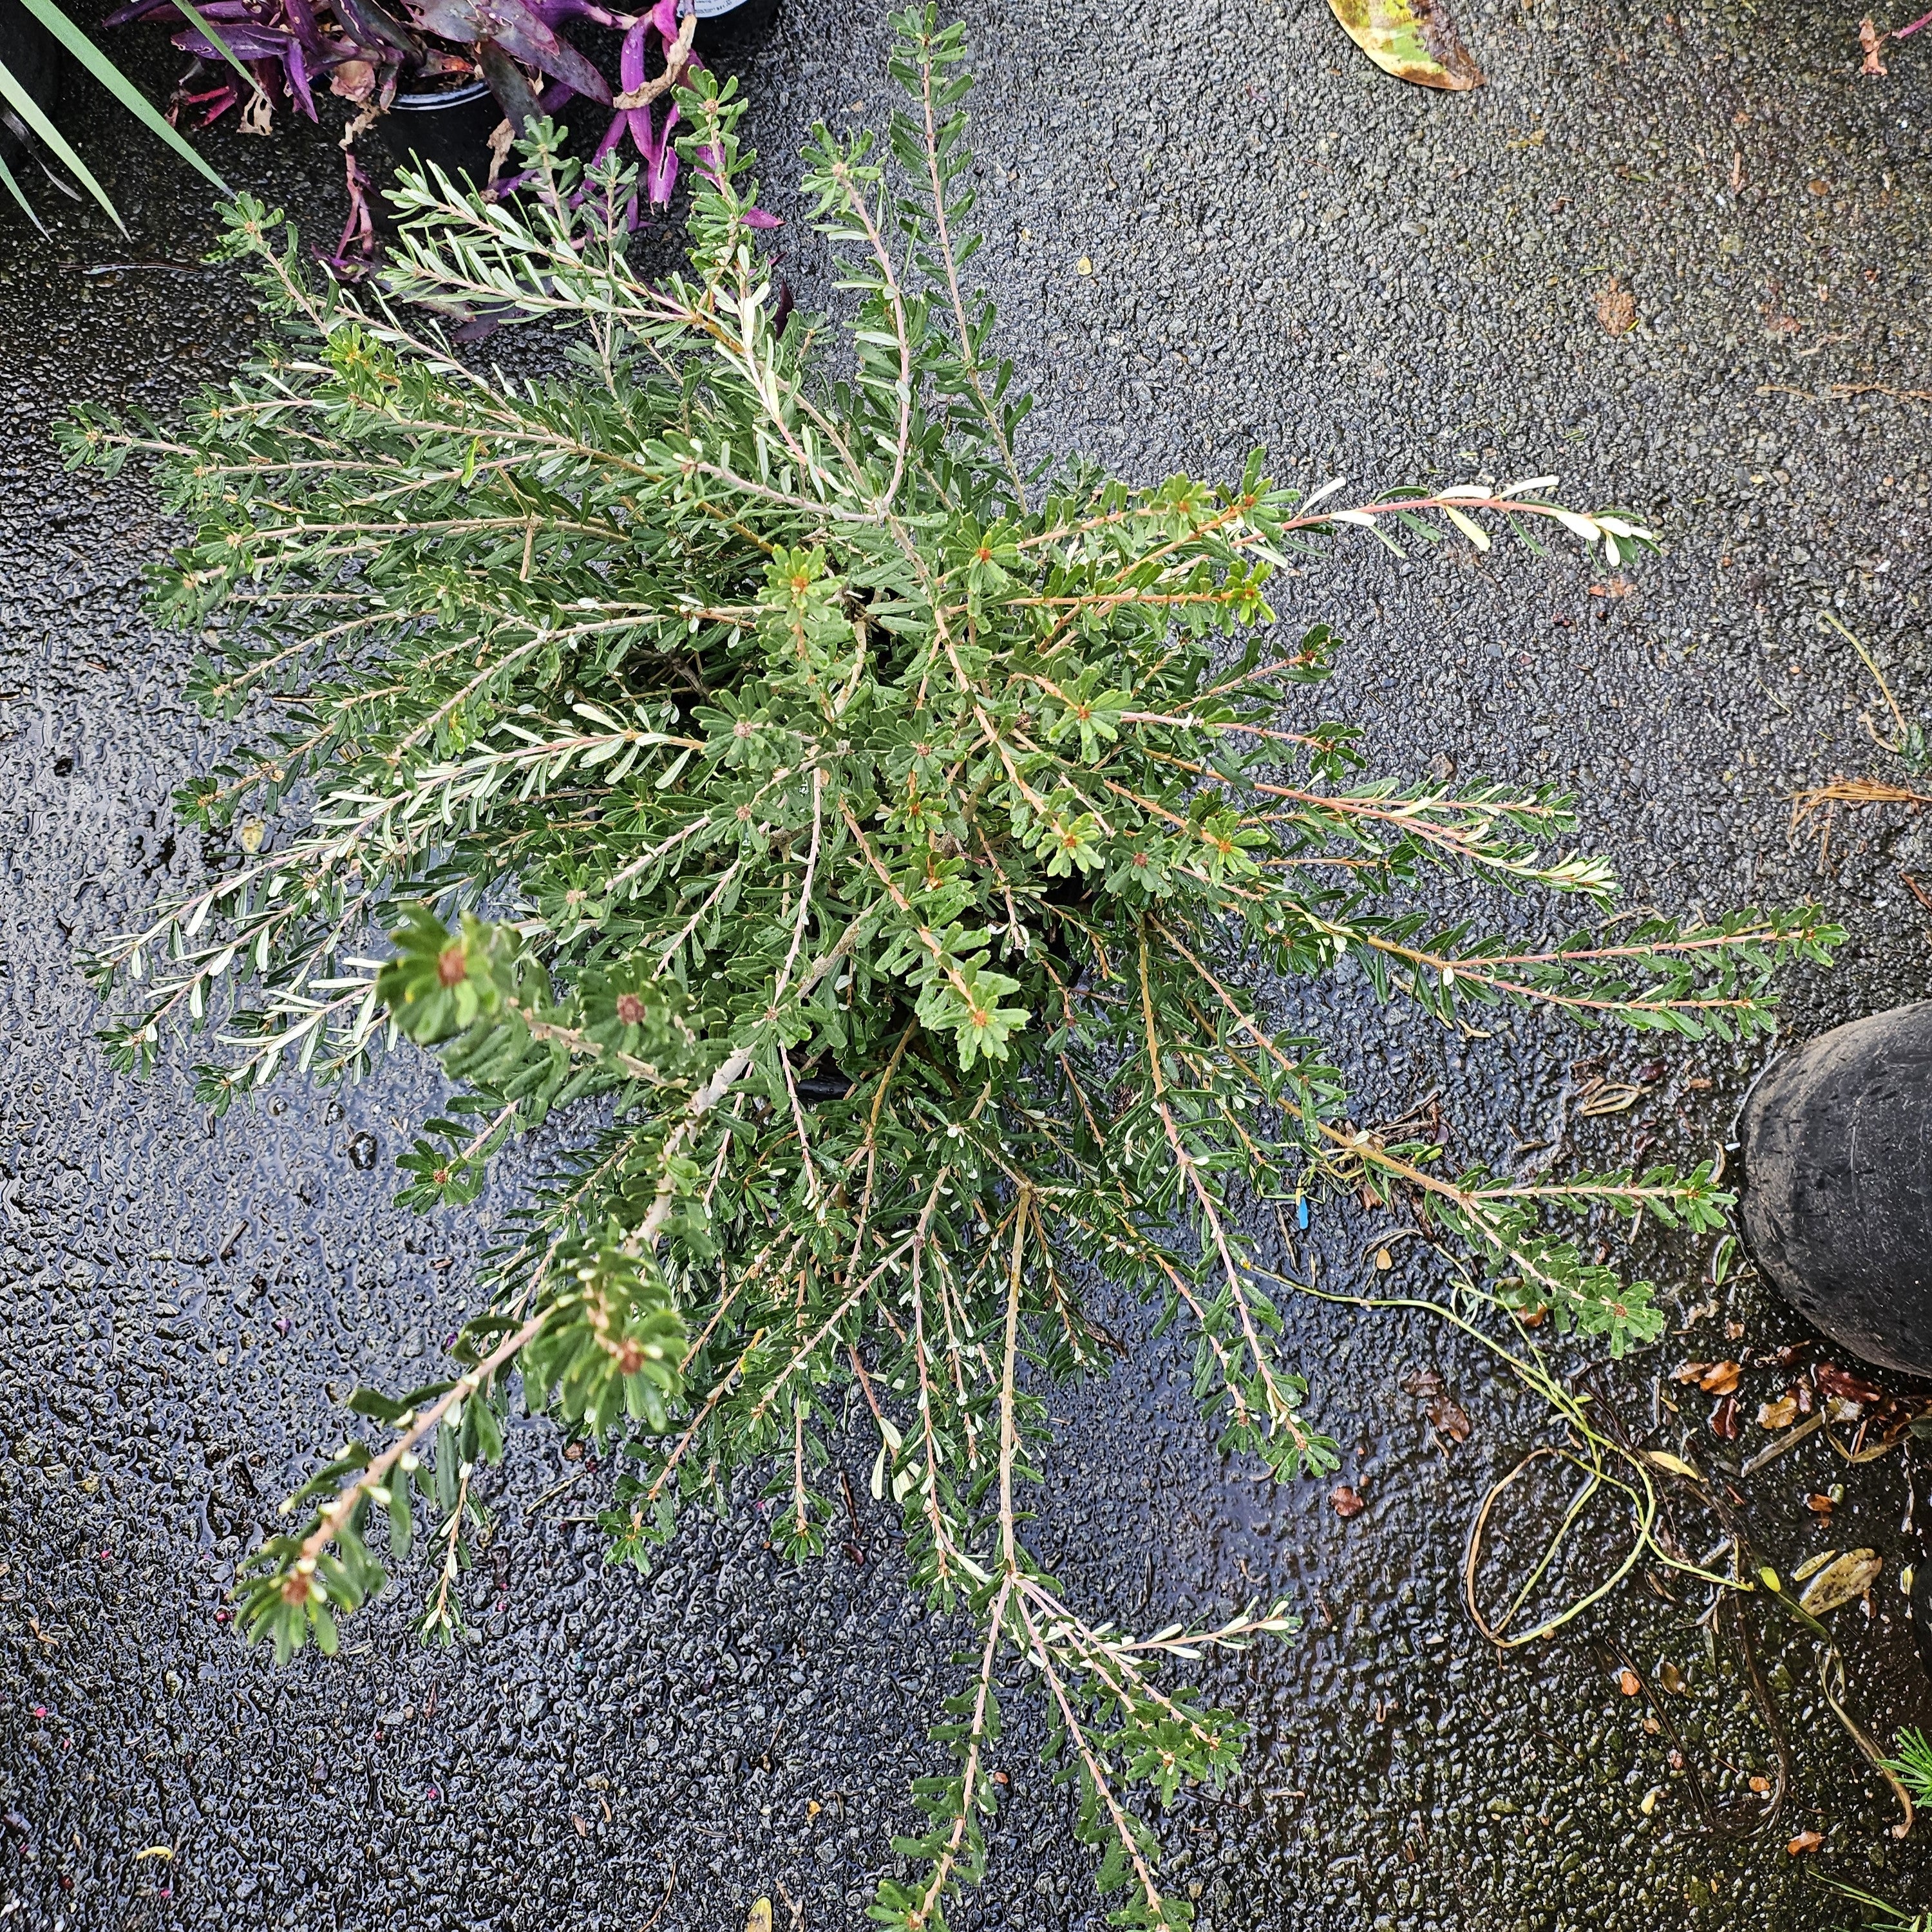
452,129
1837,1204
731,26
34,58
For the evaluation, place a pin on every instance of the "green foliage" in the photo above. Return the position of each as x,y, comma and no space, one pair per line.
1912,1764
14,94
1890,1917
895,842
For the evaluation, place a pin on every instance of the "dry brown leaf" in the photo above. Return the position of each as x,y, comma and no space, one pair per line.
1778,1415
1347,1500
1850,1576
1447,1415
1690,1371
1724,1419
1720,1378
1805,1841
1609,1099
1846,1386
1671,1678
1627,1682
1616,308
1871,40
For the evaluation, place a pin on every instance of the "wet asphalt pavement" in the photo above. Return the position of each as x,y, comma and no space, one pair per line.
1279,247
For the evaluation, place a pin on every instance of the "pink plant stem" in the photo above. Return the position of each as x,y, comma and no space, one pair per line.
1922,21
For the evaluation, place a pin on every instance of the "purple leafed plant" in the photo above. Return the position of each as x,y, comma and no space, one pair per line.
367,53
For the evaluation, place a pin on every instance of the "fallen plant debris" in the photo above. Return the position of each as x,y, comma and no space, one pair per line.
1616,308
1908,742
871,859
1838,392
1839,1580
1446,1415
1596,1442
1713,1378
1347,1501
1846,1385
1413,40
1602,1097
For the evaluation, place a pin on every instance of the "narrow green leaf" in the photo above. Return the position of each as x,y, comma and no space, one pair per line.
13,188
29,109
123,89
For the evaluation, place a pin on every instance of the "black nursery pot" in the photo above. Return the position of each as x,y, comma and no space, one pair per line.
731,26
452,129
33,57
1837,1204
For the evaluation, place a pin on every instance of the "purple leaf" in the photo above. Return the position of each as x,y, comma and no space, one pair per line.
295,71
246,43
630,57
551,11
373,26
661,164
518,31
301,16
143,9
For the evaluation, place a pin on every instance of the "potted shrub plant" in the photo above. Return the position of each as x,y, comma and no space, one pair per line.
874,851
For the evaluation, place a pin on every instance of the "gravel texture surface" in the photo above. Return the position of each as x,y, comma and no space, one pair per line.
1207,229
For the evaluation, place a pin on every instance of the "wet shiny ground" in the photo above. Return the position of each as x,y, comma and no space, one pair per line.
1282,248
